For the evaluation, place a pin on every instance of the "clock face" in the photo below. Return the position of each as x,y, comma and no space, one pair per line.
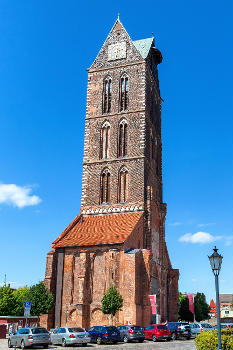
117,51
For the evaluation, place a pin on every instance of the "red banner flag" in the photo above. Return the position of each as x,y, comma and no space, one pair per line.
191,304
153,303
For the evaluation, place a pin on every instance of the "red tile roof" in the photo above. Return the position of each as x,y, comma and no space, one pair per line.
98,230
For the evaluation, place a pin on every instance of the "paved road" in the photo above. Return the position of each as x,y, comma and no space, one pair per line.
146,345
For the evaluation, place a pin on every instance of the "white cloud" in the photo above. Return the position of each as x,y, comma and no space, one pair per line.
208,224
194,280
228,240
199,237
17,196
176,223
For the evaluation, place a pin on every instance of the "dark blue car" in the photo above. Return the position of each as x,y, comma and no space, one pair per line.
104,334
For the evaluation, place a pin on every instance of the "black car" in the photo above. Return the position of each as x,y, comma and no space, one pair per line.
131,332
179,330
104,334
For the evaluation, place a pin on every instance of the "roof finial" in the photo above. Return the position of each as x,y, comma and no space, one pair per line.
152,35
118,16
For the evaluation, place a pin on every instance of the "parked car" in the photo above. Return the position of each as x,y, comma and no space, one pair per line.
70,335
229,325
157,332
29,337
179,330
131,332
52,330
223,326
104,334
198,327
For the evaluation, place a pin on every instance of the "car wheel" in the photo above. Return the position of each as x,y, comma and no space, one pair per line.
46,346
125,339
84,344
98,340
63,342
141,340
22,345
154,337
168,339
9,344
188,337
173,336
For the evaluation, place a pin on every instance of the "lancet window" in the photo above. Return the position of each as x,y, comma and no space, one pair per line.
105,186
107,95
104,140
123,138
123,185
124,88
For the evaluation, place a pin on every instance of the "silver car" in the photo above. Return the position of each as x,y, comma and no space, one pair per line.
198,327
70,335
29,337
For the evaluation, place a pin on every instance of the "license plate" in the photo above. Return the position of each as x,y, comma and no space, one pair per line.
80,336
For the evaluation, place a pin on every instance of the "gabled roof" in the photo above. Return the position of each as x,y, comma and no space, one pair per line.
143,46
98,230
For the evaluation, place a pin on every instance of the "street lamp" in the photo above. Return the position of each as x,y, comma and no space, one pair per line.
216,262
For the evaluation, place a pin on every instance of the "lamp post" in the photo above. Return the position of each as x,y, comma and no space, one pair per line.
216,262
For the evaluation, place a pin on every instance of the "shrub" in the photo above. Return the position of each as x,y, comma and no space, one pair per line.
208,340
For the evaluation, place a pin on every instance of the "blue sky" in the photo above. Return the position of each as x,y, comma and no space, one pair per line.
45,49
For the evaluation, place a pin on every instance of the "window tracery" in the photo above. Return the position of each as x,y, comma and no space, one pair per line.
123,138
105,186
123,185
124,88
104,140
107,95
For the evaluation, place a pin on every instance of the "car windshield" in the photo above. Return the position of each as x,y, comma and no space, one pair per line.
136,328
206,325
111,329
162,327
39,330
76,329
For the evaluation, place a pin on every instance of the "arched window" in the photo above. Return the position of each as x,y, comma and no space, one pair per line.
104,140
124,88
123,138
105,186
107,95
123,185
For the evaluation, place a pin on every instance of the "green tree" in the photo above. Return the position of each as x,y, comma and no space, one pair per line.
184,313
6,301
201,307
41,299
20,295
112,302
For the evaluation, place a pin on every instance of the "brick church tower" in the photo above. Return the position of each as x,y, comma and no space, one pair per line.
118,237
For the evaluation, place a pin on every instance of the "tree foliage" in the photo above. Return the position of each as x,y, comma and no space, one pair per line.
41,299
112,301
12,301
184,313
201,307
6,301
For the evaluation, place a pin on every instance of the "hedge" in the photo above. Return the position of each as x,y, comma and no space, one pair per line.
208,340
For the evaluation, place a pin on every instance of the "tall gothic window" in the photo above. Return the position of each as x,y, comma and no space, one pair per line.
104,140
123,136
105,186
107,95
123,185
124,88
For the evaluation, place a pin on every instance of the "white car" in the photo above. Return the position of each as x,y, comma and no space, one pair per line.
198,327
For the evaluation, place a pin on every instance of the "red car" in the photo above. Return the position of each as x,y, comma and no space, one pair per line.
157,332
